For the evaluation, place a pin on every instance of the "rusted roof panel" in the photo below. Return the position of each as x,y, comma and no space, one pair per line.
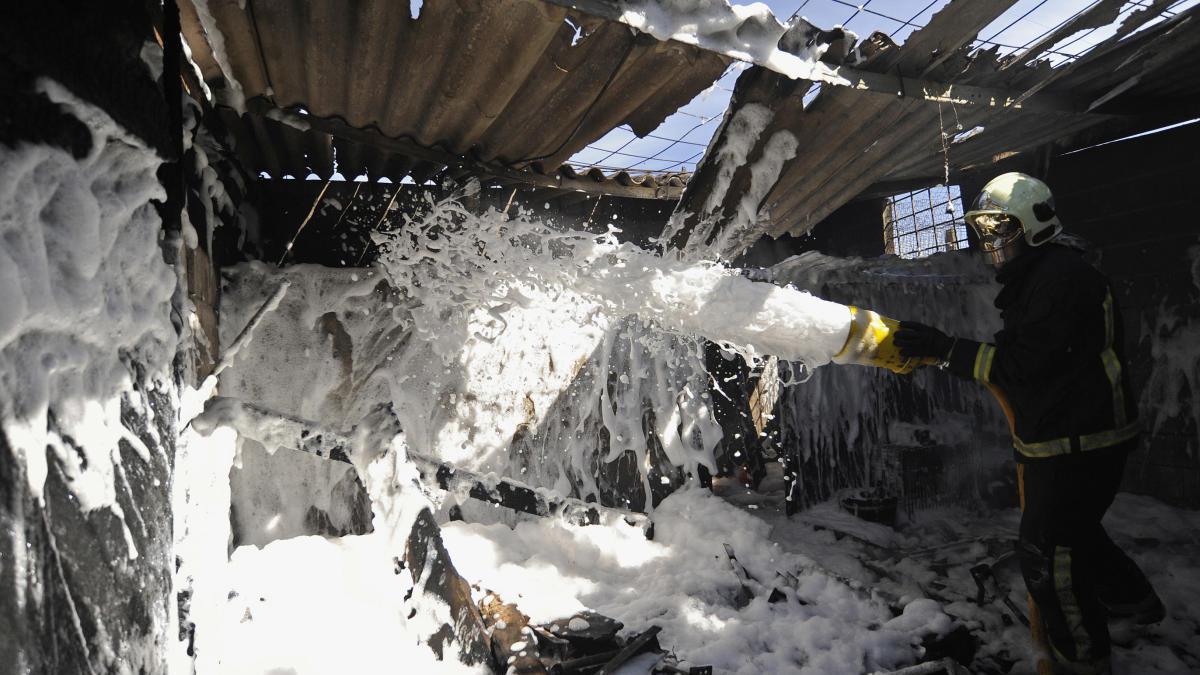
508,81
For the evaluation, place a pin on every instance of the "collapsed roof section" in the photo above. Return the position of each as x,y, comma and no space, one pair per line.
491,87
918,113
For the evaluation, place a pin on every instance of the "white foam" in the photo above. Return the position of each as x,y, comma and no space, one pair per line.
457,262
85,293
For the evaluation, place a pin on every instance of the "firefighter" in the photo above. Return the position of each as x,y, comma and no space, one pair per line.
1056,367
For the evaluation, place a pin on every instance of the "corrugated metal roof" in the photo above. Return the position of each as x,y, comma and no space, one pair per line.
500,81
849,140
280,149
503,81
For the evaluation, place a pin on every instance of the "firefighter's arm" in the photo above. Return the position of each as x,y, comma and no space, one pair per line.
1036,349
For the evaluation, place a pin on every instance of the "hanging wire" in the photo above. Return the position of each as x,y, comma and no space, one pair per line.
945,159
593,213
633,137
375,227
911,22
346,209
658,155
686,161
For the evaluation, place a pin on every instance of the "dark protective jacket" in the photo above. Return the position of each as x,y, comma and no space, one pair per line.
1058,359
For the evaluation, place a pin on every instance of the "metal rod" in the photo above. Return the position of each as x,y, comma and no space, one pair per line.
288,249
247,333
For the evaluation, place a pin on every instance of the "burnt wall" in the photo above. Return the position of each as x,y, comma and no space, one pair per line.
74,599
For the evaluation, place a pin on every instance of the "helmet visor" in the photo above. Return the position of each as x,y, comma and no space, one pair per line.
995,229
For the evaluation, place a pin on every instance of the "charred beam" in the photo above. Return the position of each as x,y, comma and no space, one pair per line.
434,574
517,496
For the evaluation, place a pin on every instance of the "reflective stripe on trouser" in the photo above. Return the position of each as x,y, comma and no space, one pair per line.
1078,643
1068,605
1062,446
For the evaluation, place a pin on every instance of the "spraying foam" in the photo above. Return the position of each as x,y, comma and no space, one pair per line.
455,262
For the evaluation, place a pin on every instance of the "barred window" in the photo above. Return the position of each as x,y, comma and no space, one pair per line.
918,223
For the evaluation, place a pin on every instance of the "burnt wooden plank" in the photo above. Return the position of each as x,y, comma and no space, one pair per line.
514,642
434,574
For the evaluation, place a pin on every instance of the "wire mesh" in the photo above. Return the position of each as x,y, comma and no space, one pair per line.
923,222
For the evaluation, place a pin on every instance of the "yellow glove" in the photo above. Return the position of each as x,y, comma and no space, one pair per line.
871,343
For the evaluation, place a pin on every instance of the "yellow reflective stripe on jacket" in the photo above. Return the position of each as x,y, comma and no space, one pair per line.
1112,365
983,363
1062,446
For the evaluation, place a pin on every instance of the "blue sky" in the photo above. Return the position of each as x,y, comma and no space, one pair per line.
680,141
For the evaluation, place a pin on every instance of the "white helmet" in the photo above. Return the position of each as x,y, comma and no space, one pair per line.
1011,205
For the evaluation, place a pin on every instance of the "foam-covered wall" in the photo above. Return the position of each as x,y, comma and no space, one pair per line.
545,400
839,418
88,399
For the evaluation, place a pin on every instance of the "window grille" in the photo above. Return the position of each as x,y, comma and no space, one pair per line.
922,222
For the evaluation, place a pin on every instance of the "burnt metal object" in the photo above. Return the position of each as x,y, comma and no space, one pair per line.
550,646
600,634
745,592
920,471
606,654
644,642
434,574
988,587
871,505
745,595
583,664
